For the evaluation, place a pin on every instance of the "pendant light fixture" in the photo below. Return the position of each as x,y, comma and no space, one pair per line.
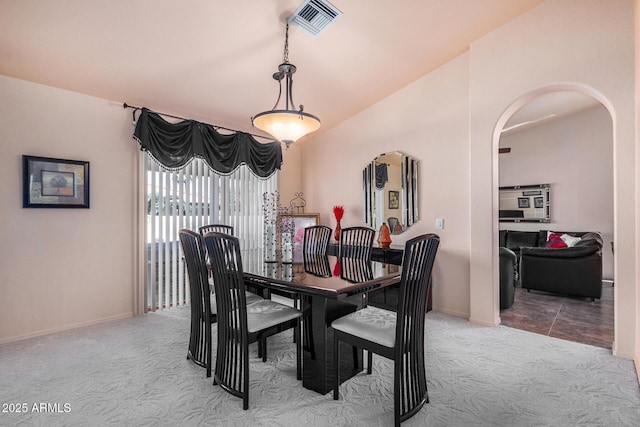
288,124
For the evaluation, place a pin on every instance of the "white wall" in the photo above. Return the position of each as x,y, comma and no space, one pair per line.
584,45
575,155
427,120
61,268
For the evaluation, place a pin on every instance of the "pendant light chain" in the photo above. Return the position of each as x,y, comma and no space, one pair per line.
285,57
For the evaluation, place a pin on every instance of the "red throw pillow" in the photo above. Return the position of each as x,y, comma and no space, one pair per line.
555,241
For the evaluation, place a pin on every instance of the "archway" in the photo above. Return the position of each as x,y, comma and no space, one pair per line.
558,162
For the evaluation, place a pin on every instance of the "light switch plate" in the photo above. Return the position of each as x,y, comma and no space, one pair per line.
439,223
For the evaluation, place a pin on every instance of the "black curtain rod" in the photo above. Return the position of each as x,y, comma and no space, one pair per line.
125,105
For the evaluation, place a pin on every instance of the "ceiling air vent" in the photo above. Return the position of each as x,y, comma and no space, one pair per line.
313,16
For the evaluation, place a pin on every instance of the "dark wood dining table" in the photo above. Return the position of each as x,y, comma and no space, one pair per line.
326,292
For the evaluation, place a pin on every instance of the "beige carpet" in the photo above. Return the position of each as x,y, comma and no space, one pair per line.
133,372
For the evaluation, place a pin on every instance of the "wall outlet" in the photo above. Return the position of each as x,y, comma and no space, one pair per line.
439,223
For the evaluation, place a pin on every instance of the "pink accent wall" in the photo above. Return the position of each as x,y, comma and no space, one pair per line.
62,268
428,121
450,120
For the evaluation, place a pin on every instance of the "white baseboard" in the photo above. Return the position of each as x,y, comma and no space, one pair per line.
65,328
636,361
451,312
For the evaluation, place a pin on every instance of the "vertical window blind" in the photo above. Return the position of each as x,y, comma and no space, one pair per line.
191,197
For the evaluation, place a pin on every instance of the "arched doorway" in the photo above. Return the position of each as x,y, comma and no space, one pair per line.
562,135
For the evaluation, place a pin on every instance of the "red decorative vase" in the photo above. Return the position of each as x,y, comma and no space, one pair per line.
337,233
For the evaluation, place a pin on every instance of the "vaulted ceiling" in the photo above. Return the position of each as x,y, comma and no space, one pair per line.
212,60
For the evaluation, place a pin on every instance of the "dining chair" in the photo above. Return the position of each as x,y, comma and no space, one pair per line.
219,228
202,312
356,242
203,301
396,336
393,222
316,239
240,324
228,229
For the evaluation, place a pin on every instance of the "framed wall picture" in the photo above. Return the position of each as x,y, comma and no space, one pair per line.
54,183
298,222
523,202
538,202
394,199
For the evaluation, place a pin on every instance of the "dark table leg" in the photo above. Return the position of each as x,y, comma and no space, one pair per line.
317,363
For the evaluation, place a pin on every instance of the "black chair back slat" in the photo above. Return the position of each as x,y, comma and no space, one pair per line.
201,313
316,264
356,242
355,270
417,266
217,228
226,267
316,239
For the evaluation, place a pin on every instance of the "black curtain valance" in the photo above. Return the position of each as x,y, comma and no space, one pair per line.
173,145
381,175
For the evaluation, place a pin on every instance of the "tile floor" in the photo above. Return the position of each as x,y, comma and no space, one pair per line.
572,319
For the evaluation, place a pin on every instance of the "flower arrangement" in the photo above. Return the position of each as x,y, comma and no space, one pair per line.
338,212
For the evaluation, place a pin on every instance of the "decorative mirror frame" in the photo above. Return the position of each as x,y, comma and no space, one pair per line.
531,203
406,199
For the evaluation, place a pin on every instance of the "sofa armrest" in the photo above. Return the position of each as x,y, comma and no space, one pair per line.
507,253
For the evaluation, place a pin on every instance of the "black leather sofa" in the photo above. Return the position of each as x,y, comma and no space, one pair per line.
507,277
575,270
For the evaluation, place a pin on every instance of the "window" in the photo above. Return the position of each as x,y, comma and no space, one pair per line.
190,198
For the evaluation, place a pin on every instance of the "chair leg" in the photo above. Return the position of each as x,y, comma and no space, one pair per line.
369,361
298,332
296,305
336,366
264,349
356,365
245,381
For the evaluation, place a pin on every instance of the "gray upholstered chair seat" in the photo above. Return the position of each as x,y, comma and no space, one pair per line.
266,313
371,323
251,298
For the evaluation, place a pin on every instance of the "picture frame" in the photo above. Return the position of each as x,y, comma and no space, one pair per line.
54,183
538,202
394,199
299,221
523,202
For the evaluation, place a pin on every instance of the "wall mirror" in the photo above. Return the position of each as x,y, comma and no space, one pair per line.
525,203
390,187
